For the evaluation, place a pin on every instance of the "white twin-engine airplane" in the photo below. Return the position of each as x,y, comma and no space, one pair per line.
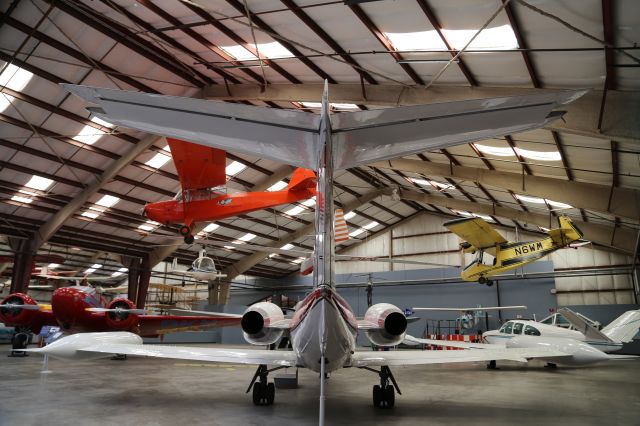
582,346
323,329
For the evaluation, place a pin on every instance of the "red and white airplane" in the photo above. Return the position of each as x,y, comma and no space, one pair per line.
81,309
201,170
324,327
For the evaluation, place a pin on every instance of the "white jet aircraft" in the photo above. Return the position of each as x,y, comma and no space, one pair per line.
586,346
323,329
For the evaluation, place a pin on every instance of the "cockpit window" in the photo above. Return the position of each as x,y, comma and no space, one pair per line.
507,328
204,264
517,328
531,331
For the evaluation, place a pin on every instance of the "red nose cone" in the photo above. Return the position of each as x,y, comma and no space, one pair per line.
68,306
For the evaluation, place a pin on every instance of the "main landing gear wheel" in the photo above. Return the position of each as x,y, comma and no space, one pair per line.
483,280
384,394
264,393
189,239
492,365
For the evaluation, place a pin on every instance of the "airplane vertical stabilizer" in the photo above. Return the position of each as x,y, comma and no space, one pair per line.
623,328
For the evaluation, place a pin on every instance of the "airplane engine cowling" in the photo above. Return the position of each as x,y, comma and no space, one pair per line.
256,320
391,322
121,320
16,316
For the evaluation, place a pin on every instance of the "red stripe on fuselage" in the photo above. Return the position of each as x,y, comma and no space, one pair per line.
341,305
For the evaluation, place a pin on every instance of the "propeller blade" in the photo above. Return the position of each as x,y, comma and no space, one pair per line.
20,306
118,310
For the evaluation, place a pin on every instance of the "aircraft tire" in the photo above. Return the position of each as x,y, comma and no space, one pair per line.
185,230
258,392
271,393
482,280
189,239
489,283
377,396
390,396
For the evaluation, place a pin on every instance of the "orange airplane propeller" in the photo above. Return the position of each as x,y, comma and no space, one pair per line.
202,172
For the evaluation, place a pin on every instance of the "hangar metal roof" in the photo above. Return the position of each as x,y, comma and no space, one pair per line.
196,48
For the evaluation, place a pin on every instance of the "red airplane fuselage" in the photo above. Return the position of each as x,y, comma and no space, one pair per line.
69,311
221,206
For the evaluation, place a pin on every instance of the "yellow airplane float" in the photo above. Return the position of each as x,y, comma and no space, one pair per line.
494,254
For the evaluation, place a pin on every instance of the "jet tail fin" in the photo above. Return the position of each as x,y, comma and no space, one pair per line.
302,179
589,331
623,328
567,233
340,227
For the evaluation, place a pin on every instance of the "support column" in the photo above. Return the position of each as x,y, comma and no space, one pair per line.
133,264
22,266
143,282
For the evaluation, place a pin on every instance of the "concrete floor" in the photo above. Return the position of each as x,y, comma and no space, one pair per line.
165,392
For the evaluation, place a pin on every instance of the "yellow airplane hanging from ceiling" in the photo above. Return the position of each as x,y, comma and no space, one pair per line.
494,254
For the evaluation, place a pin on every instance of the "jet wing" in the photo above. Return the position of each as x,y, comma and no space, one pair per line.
412,357
228,356
198,166
408,339
476,232
292,137
153,325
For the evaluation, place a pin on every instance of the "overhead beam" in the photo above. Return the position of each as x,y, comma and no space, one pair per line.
618,201
608,236
49,228
619,122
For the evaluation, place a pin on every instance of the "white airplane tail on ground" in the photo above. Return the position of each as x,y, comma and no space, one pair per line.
620,330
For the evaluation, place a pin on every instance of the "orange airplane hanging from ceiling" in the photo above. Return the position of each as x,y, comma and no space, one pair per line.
203,197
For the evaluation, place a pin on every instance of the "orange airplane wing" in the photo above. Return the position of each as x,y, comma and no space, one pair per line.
198,166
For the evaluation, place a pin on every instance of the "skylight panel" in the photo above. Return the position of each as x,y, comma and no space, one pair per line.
149,225
89,135
53,265
89,271
420,40
210,227
537,200
158,160
350,215
490,38
287,247
96,266
441,185
335,106
540,155
246,237
90,214
294,211
559,204
273,50
356,232
39,183
234,168
371,225
278,186
493,150
119,272
310,202
21,199
107,201
469,214
298,260
239,52
101,122
14,78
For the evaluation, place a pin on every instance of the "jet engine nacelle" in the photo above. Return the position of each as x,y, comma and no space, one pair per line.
392,324
256,320
16,316
121,319
581,353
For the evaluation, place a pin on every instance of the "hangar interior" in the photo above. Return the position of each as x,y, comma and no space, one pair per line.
73,186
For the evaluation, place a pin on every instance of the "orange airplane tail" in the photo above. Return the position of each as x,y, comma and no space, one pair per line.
302,179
